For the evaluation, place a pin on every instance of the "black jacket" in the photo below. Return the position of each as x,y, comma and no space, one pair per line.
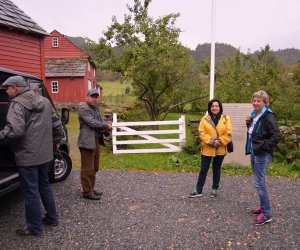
265,135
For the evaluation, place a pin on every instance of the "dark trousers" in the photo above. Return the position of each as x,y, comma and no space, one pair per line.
89,168
35,184
205,163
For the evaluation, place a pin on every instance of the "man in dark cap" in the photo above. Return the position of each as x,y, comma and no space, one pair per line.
90,137
32,128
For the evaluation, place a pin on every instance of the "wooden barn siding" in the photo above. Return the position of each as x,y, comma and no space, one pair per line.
65,48
21,52
69,90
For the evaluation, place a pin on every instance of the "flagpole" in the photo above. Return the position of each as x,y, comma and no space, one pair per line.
212,51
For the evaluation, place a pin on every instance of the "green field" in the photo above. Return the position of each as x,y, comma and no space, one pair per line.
114,94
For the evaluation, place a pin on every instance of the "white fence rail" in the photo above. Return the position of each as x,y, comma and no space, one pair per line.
123,129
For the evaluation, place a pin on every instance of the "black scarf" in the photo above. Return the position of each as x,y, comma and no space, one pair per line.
215,118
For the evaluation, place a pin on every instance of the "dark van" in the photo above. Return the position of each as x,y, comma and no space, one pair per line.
62,164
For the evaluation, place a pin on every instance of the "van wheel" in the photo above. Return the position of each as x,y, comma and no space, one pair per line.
62,167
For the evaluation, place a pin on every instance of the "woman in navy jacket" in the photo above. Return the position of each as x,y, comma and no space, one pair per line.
262,136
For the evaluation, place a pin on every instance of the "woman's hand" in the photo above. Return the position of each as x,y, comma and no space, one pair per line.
248,119
217,143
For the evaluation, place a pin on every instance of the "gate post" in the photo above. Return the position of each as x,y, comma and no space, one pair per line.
114,130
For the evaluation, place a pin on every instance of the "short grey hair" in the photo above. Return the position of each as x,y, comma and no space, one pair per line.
263,96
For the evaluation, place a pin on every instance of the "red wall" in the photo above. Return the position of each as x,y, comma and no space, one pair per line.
69,90
22,52
65,48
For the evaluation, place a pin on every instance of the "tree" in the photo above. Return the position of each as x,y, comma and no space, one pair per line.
149,53
232,77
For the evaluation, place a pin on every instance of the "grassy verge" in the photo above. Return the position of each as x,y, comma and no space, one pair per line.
177,162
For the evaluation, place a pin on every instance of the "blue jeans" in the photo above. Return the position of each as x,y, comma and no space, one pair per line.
205,163
35,184
259,164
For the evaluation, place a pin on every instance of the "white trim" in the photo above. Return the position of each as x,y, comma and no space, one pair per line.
55,42
54,87
89,84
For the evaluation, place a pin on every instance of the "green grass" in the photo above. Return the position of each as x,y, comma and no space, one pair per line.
160,162
114,94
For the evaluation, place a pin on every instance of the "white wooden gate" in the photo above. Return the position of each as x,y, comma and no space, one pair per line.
169,145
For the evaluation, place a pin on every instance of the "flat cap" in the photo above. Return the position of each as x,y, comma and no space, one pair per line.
93,92
17,81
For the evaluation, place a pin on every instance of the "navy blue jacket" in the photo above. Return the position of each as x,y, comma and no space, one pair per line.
265,135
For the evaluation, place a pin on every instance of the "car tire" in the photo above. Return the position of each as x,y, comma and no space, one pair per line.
62,167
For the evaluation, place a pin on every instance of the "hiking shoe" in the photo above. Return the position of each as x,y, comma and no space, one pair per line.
256,211
195,194
261,220
214,193
25,232
99,193
46,222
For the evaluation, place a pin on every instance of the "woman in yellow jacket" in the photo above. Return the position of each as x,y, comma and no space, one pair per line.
215,133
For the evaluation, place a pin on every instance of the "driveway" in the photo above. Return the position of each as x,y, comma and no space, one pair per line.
147,210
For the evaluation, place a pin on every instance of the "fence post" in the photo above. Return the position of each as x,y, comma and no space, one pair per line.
182,134
114,130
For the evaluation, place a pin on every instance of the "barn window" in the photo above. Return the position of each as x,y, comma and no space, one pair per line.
54,86
54,41
89,84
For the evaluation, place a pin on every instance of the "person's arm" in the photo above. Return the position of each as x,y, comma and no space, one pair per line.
15,125
227,136
203,133
275,135
88,118
57,128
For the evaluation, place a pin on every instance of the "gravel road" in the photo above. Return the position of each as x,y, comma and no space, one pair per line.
146,210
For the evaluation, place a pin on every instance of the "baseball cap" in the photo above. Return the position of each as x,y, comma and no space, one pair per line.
92,92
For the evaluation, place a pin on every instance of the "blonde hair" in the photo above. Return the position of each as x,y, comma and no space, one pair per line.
263,96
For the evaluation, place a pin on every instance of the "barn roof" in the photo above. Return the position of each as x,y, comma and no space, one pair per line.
13,17
59,67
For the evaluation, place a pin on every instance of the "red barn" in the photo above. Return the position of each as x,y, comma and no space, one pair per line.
70,72
21,41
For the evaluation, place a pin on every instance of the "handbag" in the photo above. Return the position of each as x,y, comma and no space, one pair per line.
230,147
230,144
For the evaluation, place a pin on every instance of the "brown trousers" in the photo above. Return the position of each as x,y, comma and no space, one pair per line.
89,168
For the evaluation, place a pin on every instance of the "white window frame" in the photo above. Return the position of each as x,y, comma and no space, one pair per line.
55,42
89,84
94,72
54,89
88,66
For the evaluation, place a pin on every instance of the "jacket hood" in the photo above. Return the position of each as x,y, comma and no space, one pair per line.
30,99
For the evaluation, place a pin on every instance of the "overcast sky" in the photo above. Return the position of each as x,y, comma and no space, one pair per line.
245,24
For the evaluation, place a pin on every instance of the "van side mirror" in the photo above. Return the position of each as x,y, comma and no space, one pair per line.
65,116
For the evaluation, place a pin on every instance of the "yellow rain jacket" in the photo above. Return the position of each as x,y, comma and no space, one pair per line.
208,132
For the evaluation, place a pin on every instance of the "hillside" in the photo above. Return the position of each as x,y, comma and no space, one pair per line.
202,51
289,56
